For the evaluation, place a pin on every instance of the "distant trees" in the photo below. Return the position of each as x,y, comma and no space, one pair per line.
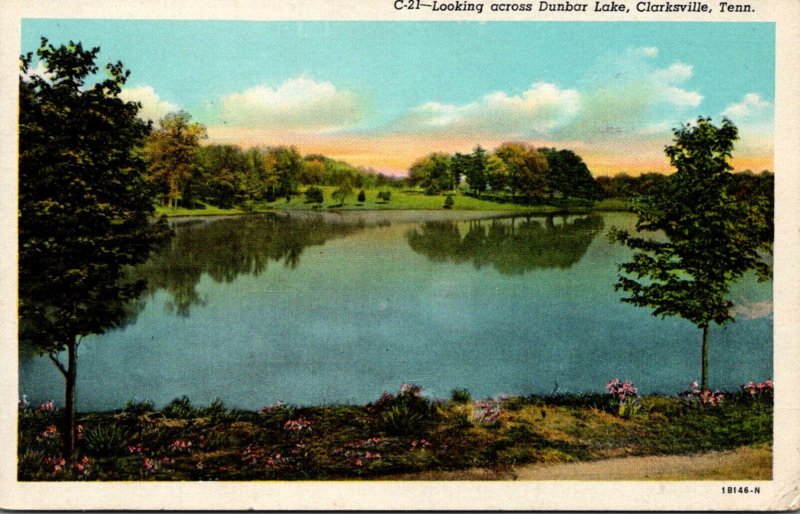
84,206
172,157
714,234
514,170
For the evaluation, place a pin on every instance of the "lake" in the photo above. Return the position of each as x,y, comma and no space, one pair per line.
313,308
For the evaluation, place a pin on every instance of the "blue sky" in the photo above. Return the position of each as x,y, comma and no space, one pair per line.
383,93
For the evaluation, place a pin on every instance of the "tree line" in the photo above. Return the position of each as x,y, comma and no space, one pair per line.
513,171
181,170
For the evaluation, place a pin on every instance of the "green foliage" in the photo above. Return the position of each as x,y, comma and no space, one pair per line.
180,408
342,193
84,206
172,153
460,395
431,173
362,197
448,202
713,236
105,440
139,407
314,195
384,196
402,420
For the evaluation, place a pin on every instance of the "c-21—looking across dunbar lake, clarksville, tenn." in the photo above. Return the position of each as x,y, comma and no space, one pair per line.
319,264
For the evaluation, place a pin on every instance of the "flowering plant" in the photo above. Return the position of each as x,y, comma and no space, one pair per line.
761,390
697,395
624,397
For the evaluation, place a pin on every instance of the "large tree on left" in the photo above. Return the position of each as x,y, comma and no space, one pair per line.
84,207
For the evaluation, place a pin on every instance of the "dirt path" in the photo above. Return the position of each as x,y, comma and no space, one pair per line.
741,464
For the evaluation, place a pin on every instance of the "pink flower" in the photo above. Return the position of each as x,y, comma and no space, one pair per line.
45,406
296,425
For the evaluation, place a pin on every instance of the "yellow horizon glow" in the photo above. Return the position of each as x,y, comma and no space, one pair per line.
394,154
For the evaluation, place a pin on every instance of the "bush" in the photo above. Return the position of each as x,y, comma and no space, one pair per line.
362,197
405,413
139,407
385,196
460,395
180,408
105,440
448,202
314,195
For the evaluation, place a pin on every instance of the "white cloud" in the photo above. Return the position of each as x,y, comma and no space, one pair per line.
153,107
752,108
648,51
298,104
623,94
541,108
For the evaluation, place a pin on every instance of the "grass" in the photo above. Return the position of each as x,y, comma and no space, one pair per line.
408,199
395,435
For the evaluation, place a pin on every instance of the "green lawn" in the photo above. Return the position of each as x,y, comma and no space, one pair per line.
400,200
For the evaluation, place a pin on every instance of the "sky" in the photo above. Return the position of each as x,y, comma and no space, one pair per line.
383,94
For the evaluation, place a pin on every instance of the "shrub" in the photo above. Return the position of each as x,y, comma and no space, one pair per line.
139,407
105,440
402,420
448,202
404,413
314,195
385,196
180,408
362,197
460,395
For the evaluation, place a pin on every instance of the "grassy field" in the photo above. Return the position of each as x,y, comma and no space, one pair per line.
396,435
400,200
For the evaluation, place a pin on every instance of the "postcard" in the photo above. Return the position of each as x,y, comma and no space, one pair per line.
400,255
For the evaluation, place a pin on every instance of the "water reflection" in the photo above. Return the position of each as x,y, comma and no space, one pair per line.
229,247
512,246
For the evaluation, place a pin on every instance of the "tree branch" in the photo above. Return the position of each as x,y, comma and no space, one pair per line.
54,358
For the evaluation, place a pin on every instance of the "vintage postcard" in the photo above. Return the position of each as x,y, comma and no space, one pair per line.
400,255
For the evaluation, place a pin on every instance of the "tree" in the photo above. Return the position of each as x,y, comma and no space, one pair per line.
568,176
476,171
431,172
362,197
342,193
84,207
172,156
713,237
525,168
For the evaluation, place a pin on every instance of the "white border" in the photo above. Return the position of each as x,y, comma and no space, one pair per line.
781,493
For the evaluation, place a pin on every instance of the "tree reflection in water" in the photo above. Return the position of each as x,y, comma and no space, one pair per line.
512,246
228,247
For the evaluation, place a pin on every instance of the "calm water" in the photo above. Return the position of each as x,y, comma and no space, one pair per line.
328,308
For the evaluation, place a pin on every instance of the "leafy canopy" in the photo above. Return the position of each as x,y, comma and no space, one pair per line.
84,208
712,237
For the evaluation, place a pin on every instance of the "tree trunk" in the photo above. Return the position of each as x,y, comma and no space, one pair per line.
70,378
704,363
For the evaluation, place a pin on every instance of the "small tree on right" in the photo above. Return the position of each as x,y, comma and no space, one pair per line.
712,237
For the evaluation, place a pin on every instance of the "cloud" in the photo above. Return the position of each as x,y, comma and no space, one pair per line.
752,108
539,109
153,107
623,94
299,104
